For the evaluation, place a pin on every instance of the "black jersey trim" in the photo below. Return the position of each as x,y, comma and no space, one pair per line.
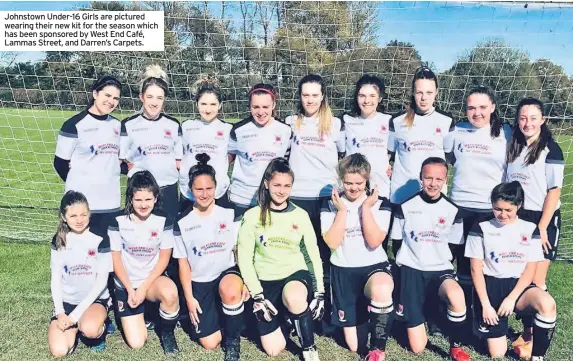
98,117
69,128
239,124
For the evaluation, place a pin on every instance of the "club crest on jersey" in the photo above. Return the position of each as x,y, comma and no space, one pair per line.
92,252
223,227
115,131
295,227
120,306
441,222
400,310
154,235
220,133
524,240
167,133
341,316
438,130
383,128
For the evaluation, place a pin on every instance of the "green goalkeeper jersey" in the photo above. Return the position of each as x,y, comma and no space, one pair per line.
286,245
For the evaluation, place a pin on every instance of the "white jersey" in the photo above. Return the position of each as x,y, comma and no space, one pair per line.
370,138
313,158
91,144
538,178
139,244
211,138
207,242
354,251
152,145
255,147
427,226
505,249
412,146
479,163
75,267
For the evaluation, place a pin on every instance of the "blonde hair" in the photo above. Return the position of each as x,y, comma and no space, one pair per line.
324,112
154,75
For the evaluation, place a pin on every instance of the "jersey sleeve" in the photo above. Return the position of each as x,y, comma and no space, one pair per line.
383,214
535,253
327,215
167,235
179,143
56,287
246,254
391,136
341,140
310,246
124,142
114,235
474,243
104,260
179,250
67,139
456,235
398,226
554,166
285,147
232,147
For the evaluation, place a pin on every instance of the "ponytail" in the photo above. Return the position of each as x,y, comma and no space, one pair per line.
201,168
277,165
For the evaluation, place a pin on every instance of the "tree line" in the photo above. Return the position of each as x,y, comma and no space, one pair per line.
244,43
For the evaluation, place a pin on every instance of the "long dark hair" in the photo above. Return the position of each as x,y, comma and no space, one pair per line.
377,83
495,121
277,165
421,73
201,168
69,199
324,114
101,83
142,180
511,192
518,142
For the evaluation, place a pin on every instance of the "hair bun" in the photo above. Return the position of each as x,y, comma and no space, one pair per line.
155,71
202,158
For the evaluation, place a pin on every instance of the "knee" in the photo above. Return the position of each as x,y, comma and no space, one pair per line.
91,330
547,307
456,299
59,350
170,296
230,295
210,343
274,350
295,303
497,352
136,342
381,292
418,349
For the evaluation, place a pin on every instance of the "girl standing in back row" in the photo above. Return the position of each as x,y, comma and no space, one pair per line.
151,140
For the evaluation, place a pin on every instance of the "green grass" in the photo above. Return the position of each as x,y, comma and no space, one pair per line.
26,306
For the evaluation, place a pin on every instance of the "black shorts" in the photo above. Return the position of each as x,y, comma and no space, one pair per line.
273,291
419,293
470,217
122,308
553,229
99,222
240,210
497,290
69,308
349,304
207,294
170,201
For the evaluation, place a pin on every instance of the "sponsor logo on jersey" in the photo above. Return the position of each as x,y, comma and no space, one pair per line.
262,240
141,151
405,146
461,147
413,236
66,269
189,229
341,316
92,252
483,328
197,252
167,133
139,129
93,150
524,240
355,142
494,257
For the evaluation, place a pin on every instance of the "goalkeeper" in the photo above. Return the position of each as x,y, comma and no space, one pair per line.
277,252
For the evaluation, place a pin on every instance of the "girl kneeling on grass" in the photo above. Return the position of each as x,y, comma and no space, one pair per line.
80,263
141,244
505,252
275,240
205,239
354,225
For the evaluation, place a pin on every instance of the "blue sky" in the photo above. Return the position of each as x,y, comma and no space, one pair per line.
441,31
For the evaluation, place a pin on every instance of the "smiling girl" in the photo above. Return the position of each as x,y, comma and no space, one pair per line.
535,160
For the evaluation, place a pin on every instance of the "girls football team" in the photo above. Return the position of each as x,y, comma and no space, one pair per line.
297,218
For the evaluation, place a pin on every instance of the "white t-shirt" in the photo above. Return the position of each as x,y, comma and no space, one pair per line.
91,144
426,227
354,250
313,158
479,163
207,242
255,147
370,138
538,178
152,145
78,264
211,138
139,244
505,249
412,146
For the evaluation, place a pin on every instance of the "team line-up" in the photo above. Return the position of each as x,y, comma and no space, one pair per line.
309,210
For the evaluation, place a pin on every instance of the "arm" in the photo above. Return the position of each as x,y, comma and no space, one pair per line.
232,146
310,245
333,224
65,146
246,254
479,281
549,207
124,143
56,282
375,223
179,147
62,167
120,271
99,285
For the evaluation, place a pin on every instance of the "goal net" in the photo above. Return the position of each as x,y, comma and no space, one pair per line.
518,49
